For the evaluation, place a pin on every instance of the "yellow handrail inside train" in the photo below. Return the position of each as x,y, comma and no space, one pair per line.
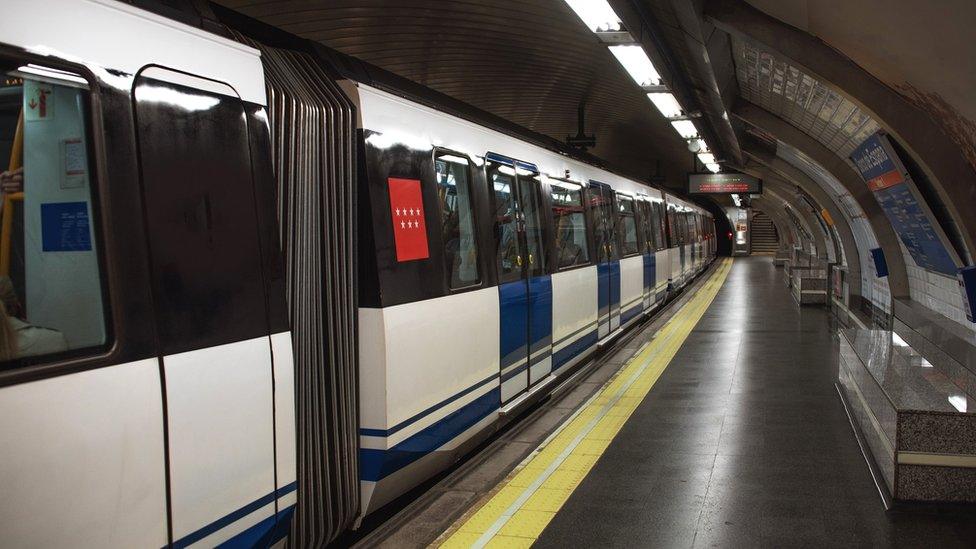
7,215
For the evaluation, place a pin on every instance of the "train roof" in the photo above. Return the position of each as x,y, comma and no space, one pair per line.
108,36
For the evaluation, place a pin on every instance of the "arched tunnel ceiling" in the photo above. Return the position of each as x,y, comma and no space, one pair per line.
783,89
925,51
528,61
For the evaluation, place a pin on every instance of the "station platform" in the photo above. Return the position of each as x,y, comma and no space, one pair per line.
717,425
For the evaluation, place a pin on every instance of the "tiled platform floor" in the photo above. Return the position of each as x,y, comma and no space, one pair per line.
744,442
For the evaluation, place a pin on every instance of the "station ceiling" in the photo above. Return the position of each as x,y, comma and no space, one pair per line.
533,62
529,61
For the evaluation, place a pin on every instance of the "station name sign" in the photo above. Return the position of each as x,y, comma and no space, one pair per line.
723,183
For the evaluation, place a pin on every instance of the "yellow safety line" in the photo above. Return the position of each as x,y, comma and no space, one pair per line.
529,498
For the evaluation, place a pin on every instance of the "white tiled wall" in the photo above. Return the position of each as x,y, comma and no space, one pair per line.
937,292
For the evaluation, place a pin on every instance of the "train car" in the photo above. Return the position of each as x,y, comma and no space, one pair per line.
144,329
491,267
181,286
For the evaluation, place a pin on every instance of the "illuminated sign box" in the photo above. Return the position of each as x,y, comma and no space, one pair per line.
723,183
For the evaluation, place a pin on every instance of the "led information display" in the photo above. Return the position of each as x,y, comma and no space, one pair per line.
723,183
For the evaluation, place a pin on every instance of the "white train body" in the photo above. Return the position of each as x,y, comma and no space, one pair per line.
432,381
172,415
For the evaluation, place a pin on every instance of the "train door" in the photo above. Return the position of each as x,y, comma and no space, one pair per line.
607,256
682,222
210,305
525,290
649,261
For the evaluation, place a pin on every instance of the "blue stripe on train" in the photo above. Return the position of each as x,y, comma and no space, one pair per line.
513,322
263,534
650,272
375,464
608,287
417,417
630,313
603,289
237,515
614,285
564,355
540,313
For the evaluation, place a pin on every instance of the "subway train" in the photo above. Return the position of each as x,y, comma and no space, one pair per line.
250,288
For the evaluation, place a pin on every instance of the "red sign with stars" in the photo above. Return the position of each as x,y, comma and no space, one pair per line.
409,228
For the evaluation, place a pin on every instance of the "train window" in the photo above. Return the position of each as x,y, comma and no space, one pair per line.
603,219
674,224
51,287
457,215
650,237
657,208
570,223
502,181
642,226
530,203
628,225
207,280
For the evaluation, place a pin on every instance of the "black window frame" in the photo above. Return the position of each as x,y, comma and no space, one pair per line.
545,217
587,225
619,200
659,221
647,215
593,190
501,277
169,345
476,220
42,366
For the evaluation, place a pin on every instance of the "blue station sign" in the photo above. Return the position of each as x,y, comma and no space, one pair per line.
896,193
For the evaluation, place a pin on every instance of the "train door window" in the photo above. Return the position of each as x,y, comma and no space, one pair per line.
647,224
531,205
686,227
657,210
457,217
627,225
572,248
51,286
509,257
601,206
200,211
673,229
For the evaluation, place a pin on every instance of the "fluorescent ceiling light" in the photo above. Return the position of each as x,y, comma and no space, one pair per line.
636,63
714,168
666,103
596,14
897,340
702,146
685,128
706,158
